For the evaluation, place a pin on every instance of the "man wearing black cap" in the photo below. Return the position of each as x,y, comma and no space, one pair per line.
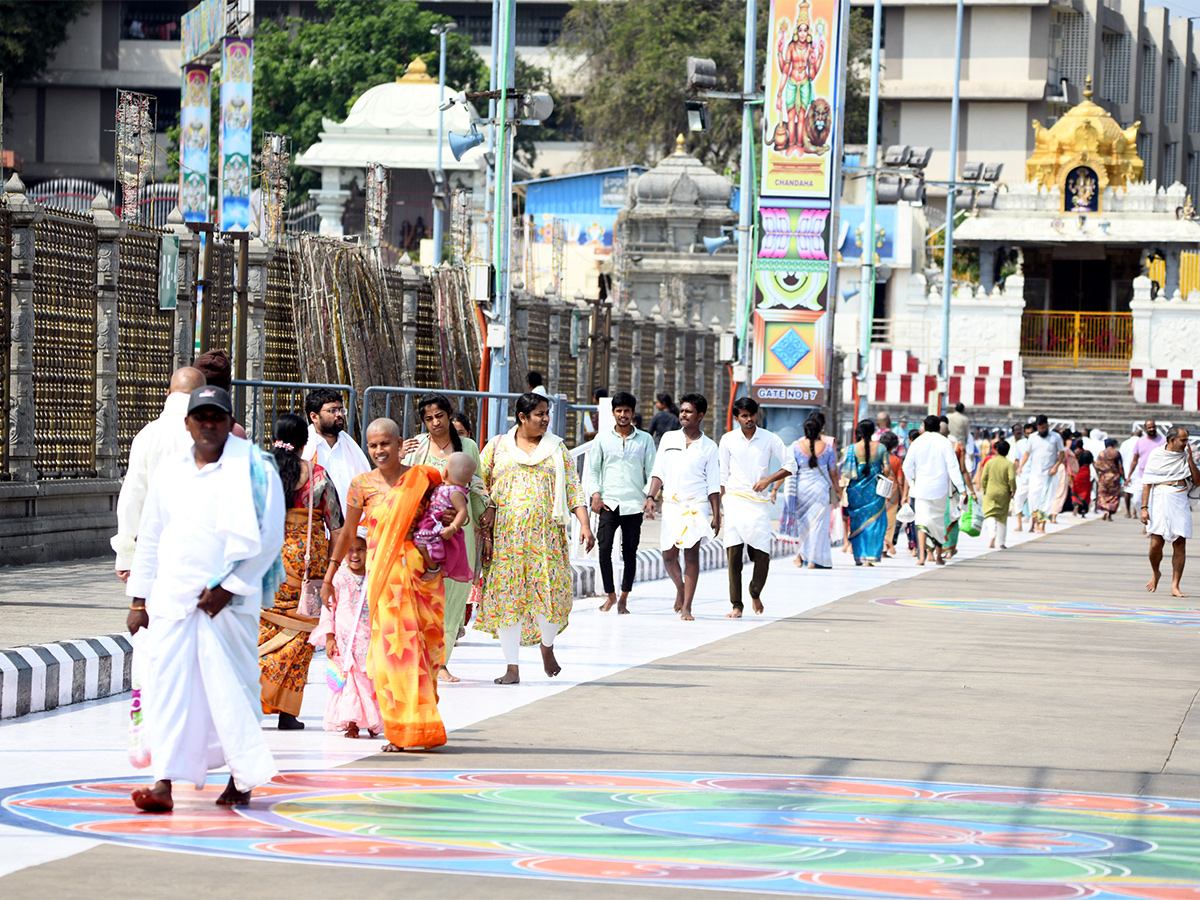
208,545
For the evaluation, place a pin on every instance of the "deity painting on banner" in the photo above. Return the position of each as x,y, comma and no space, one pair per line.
801,106
237,67
194,141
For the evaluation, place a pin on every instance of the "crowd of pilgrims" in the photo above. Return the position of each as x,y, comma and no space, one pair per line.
381,554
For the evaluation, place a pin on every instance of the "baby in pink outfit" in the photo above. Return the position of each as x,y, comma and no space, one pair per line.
445,546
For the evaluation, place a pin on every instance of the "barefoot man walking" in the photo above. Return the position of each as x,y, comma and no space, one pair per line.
209,538
687,470
746,476
1170,472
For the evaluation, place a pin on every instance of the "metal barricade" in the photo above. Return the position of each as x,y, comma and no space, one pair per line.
386,394
265,404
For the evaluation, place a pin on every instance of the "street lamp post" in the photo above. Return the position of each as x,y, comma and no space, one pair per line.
948,261
744,277
439,212
866,297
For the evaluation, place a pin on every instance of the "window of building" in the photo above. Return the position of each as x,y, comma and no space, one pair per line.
1076,27
478,29
1170,161
1171,92
1193,122
537,30
1145,149
1192,178
1114,81
152,20
1149,73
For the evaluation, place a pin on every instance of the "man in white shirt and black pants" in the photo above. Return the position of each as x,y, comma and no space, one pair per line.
745,463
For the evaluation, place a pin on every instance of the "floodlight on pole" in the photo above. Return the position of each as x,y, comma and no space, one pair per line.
698,118
896,155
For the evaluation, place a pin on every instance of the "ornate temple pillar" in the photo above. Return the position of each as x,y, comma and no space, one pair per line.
184,353
256,332
109,231
22,451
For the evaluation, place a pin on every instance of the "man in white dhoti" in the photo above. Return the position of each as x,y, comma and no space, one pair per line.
931,470
1169,474
745,463
1043,455
687,470
1016,455
208,545
165,437
1146,444
1127,451
335,451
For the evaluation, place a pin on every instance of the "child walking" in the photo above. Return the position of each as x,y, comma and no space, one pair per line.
445,546
345,630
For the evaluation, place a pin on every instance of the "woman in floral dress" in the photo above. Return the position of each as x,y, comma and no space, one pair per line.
531,480
283,648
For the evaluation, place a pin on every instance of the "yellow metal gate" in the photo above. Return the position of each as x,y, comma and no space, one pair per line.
1070,339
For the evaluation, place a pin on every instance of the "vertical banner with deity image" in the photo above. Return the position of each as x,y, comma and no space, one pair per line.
795,268
195,118
237,67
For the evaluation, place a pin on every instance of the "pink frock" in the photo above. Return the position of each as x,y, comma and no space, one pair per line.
450,554
355,703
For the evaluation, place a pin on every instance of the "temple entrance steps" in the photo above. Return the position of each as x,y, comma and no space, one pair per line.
1092,399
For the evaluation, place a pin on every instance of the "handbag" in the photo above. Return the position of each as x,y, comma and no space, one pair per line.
884,487
835,496
309,604
971,522
335,678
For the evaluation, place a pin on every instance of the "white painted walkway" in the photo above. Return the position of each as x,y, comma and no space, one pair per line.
87,741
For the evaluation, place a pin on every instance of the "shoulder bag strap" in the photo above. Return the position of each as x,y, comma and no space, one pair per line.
312,475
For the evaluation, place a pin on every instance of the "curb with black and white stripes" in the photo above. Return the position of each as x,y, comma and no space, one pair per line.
47,676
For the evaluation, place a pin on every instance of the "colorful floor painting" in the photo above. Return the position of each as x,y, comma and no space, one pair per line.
1148,615
808,837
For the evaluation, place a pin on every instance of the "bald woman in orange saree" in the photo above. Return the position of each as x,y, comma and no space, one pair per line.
407,641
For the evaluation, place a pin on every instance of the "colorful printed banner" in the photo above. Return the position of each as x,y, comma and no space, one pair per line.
801,130
195,118
237,68
202,29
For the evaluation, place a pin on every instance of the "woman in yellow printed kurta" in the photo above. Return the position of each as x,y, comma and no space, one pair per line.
532,482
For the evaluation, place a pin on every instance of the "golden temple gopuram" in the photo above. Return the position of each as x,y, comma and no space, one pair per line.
1082,153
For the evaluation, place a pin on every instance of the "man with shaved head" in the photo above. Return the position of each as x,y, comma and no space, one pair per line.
165,437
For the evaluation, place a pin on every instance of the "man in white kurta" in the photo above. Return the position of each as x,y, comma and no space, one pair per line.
687,470
746,477
203,549
931,470
164,438
1015,454
1170,472
336,452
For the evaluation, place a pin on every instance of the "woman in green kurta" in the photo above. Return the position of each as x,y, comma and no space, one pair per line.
433,448
999,483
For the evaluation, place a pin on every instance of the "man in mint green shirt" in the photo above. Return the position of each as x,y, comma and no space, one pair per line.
618,469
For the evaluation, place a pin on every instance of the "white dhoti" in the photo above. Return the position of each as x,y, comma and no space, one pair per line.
1170,512
746,519
1021,496
685,523
930,517
201,695
1042,486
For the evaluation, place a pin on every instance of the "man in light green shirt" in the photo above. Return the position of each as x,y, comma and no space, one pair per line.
618,469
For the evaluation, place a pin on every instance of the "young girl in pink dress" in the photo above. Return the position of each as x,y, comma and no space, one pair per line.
345,630
445,546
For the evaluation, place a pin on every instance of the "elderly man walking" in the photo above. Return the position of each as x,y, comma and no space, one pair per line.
1170,471
209,547
164,438
932,470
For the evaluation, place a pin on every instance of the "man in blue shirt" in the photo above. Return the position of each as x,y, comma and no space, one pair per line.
618,468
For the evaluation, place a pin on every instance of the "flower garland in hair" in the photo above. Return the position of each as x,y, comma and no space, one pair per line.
283,445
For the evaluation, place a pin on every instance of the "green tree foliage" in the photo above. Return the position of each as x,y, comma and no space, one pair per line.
635,56
30,33
307,71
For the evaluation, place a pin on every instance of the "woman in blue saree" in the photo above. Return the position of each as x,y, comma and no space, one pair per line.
806,507
866,460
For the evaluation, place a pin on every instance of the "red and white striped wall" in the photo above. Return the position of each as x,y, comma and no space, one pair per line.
1166,387
897,377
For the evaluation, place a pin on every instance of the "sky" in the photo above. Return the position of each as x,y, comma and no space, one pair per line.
1181,7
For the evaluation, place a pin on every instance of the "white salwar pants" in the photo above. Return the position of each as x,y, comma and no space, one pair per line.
1170,512
201,697
996,530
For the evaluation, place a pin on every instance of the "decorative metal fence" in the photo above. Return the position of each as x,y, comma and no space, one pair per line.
1071,339
145,345
64,354
281,361
5,292
219,299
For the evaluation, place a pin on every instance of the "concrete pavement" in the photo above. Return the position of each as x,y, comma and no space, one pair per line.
1022,698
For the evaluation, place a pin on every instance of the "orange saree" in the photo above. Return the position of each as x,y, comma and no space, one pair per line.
407,641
